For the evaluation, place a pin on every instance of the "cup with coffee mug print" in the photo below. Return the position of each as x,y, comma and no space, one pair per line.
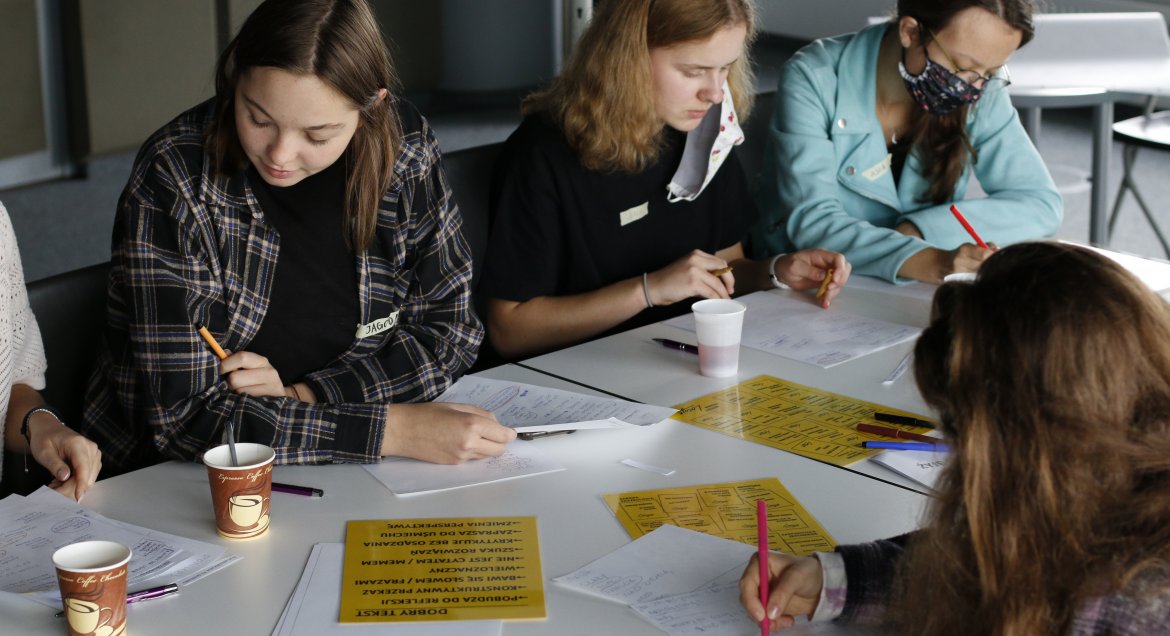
718,329
240,494
92,577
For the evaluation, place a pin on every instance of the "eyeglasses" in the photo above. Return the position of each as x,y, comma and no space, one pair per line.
1002,79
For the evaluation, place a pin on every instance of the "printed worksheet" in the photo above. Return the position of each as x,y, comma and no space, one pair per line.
725,510
527,407
33,527
793,327
792,417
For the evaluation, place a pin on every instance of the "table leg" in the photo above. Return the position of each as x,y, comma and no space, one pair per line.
1102,153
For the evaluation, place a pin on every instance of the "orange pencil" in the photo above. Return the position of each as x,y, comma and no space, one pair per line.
825,283
219,352
721,271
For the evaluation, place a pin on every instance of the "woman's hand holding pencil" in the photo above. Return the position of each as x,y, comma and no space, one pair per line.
793,589
817,269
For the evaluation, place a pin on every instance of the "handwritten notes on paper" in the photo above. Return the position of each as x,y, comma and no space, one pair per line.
442,570
724,510
527,407
794,328
792,417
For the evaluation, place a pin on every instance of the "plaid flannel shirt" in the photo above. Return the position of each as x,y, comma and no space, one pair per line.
1142,608
193,247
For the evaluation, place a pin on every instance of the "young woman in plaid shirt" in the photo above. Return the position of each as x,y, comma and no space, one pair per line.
303,216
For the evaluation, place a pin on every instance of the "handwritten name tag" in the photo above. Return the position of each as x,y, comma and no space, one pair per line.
879,168
634,213
377,326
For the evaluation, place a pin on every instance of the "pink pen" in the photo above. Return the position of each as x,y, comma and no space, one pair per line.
762,536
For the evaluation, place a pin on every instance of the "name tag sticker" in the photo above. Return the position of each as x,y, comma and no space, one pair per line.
879,168
634,213
377,326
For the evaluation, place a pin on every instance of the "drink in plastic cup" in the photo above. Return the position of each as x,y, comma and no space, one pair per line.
718,326
92,576
240,494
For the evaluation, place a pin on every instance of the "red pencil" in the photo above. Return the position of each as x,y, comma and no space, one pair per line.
762,538
897,433
967,226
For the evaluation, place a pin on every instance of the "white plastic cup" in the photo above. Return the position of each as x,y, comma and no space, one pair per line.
718,328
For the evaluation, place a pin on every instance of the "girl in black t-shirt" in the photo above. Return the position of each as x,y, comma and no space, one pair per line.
619,193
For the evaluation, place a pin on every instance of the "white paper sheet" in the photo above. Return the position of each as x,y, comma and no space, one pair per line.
315,604
667,561
413,477
33,527
793,327
921,466
527,407
714,610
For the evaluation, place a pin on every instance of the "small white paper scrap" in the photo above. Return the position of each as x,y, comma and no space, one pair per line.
650,467
899,370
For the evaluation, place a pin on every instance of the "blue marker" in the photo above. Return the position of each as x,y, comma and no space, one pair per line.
918,446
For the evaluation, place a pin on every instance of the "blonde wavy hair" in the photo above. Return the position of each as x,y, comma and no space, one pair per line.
601,101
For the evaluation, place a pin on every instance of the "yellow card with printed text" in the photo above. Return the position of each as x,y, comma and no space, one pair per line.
401,570
799,419
725,510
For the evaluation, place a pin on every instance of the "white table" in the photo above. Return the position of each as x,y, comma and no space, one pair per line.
575,525
633,366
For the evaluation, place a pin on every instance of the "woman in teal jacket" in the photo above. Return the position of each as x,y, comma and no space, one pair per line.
876,134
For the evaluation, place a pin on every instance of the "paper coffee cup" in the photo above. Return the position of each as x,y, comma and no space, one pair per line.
240,494
92,577
718,329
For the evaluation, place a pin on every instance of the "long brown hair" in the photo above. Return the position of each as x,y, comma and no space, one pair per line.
340,43
601,99
941,140
1051,374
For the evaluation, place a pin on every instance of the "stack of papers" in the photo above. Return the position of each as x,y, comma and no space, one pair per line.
681,581
315,604
45,521
923,467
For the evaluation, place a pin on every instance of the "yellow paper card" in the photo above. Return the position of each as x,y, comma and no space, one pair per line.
442,570
792,417
725,510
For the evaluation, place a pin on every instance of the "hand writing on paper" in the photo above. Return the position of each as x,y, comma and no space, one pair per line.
690,277
444,433
932,264
795,588
806,270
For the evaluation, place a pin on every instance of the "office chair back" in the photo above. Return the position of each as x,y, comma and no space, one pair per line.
469,174
71,313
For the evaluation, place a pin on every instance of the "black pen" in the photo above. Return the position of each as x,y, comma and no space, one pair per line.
674,344
538,434
298,490
901,419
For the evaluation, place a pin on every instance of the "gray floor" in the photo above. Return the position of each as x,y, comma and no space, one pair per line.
64,225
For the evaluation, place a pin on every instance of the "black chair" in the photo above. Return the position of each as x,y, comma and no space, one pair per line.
469,173
71,313
1151,131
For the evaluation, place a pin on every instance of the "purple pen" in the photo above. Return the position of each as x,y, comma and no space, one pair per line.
298,490
154,592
